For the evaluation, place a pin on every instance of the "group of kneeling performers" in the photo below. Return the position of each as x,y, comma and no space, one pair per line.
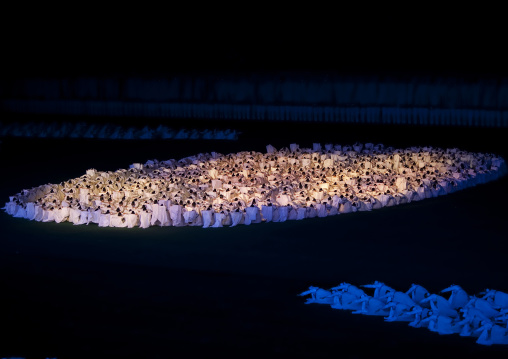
215,190
483,316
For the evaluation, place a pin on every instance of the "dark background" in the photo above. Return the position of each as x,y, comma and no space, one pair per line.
193,38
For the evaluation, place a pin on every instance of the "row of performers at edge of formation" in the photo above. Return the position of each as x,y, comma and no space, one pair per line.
483,315
249,187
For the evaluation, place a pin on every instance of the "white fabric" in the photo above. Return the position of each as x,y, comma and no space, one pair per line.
207,218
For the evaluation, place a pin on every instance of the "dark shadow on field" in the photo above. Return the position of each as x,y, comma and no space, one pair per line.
83,291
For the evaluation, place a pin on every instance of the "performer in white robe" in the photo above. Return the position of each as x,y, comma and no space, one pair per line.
20,212
293,213
163,216
246,218
236,217
254,214
283,213
175,212
364,206
61,214
208,218
145,218
74,215
420,191
48,215
345,207
131,219
30,211
321,210
96,215
267,212
38,213
105,219
275,214
311,212
10,206
189,216
118,220
301,213
218,218
83,216
227,221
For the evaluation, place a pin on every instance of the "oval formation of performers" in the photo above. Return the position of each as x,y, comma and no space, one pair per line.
484,317
215,190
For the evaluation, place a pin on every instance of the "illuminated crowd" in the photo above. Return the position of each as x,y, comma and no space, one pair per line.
216,190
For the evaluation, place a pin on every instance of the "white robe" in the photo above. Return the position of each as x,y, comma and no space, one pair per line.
145,219
10,207
38,213
175,212
83,217
420,191
198,221
283,213
254,214
117,221
189,216
333,211
283,199
30,210
155,214
246,219
61,214
163,215
236,218
383,199
227,221
20,212
275,214
48,215
310,212
96,215
208,217
218,218
321,210
74,215
104,220
301,213
267,213
132,220
345,207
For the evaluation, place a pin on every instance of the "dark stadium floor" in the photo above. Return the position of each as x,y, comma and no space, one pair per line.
84,291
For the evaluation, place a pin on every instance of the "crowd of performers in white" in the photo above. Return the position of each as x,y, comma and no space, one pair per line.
484,317
216,190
